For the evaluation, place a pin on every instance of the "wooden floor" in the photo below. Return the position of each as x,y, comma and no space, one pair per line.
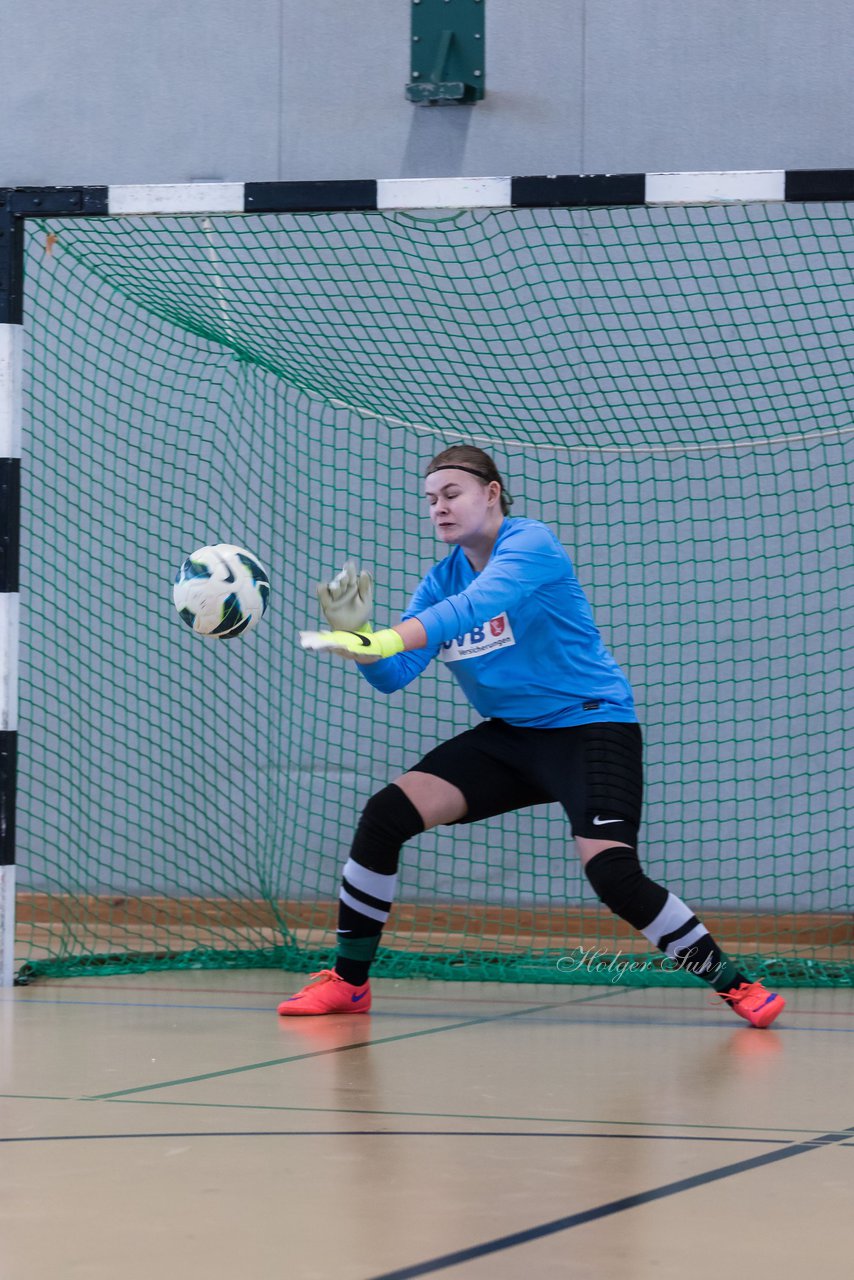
171,1125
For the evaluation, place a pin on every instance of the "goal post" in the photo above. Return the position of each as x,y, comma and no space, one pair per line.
660,364
10,493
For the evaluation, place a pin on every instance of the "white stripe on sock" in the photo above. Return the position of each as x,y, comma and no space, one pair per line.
362,908
690,938
378,886
672,916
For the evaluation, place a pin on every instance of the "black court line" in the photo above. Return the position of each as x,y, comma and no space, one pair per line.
22,995
342,1048
401,1133
640,1020
25,995
612,1207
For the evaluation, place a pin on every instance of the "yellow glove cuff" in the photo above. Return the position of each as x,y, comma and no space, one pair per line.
355,644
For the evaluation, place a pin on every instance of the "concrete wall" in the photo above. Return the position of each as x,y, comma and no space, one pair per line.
175,90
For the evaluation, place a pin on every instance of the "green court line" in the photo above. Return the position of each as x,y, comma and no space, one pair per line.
429,1115
41,1097
461,1115
344,1048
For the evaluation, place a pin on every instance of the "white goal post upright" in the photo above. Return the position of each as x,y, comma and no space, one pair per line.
11,331
10,470
19,203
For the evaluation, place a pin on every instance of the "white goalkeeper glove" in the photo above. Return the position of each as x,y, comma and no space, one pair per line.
347,600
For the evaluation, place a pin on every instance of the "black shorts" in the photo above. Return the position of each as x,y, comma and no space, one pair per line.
594,770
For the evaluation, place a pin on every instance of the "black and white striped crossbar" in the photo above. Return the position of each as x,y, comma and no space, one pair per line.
566,190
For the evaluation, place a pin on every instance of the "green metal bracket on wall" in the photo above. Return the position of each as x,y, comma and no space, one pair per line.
447,52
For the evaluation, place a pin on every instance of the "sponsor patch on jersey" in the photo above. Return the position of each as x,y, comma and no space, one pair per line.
494,634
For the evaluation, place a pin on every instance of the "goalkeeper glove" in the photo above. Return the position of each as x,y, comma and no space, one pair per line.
346,601
363,646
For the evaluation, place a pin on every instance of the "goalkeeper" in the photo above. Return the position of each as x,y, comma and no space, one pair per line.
505,610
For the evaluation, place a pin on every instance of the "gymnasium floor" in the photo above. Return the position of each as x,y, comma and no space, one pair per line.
171,1125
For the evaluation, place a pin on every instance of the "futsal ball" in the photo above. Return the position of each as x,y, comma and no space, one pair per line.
221,591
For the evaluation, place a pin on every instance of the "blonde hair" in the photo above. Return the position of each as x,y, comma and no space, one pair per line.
467,457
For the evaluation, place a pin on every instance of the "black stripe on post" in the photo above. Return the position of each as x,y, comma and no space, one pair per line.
579,190
18,203
8,769
820,184
309,197
11,264
57,202
10,522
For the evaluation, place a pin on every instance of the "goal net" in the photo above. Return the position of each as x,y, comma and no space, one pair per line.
668,388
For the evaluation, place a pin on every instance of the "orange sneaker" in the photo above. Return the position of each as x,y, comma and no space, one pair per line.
755,1003
329,994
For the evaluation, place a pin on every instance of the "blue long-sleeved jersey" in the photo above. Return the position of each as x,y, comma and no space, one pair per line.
518,636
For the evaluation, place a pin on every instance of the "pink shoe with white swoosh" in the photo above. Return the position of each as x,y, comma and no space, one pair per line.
327,992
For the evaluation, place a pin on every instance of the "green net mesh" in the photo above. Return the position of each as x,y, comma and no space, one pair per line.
667,388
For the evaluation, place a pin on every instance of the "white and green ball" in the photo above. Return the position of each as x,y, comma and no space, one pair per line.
221,591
